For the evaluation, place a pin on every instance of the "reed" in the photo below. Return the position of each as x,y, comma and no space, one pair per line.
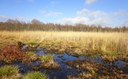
79,43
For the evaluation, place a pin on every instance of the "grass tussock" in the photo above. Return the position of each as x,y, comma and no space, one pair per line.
32,56
35,75
9,72
47,58
48,62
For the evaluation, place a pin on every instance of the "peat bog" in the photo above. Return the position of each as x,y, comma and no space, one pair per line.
61,66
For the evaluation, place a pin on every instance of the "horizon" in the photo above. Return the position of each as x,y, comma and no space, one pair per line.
89,12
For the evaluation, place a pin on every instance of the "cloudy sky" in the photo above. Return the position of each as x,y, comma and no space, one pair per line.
98,12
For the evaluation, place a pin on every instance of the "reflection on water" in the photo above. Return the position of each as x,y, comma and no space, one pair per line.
120,64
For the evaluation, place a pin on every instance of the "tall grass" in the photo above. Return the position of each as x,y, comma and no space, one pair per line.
75,42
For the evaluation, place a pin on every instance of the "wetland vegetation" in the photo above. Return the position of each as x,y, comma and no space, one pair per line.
63,39
52,51
65,55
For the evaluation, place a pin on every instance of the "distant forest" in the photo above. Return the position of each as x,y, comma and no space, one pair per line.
36,25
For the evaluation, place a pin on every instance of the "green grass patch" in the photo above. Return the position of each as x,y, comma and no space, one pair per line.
35,75
31,54
6,71
47,58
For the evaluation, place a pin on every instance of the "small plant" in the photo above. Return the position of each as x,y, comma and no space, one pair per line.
32,56
47,58
8,71
35,75
29,57
48,62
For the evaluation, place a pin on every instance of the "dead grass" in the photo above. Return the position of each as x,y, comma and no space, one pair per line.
110,46
74,43
11,53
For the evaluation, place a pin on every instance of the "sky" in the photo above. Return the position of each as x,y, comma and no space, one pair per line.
91,12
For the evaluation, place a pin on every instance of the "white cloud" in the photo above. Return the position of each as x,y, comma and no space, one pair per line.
75,20
121,13
90,1
83,12
20,18
89,17
86,16
3,18
84,20
50,13
89,13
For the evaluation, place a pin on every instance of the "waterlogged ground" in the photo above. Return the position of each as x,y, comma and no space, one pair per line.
69,65
75,67
63,66
61,72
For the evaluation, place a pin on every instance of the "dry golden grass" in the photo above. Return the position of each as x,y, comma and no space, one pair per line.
73,36
72,42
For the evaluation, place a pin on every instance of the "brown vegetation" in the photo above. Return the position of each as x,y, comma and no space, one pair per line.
98,71
12,53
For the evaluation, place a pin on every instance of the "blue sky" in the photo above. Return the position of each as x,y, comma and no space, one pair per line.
98,12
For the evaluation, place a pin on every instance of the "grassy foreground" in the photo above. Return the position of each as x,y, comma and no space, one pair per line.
107,44
111,46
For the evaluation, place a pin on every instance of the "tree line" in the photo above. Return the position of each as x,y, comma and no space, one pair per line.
36,25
